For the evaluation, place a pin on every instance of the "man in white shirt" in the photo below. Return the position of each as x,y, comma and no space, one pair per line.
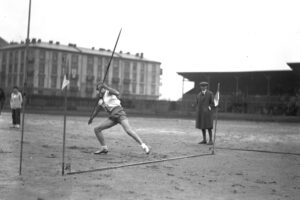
109,101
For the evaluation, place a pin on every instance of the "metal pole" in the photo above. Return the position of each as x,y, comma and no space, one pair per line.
24,88
216,121
64,133
67,74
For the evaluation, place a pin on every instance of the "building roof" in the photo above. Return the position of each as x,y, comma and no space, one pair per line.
194,76
3,42
73,48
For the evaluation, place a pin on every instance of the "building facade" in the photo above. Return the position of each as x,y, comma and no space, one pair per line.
133,75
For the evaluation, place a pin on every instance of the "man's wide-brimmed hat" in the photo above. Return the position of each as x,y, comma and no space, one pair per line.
203,83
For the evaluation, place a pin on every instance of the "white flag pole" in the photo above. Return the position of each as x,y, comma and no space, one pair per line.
216,117
65,87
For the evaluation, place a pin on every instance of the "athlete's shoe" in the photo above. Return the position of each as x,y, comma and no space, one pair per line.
202,142
210,142
17,126
146,148
101,151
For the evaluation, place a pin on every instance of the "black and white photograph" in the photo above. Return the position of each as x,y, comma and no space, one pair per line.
149,100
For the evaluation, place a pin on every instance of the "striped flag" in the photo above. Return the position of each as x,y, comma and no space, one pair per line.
65,83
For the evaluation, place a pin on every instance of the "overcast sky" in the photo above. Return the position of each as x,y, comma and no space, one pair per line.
184,35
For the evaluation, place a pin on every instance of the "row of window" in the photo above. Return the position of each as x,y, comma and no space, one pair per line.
74,63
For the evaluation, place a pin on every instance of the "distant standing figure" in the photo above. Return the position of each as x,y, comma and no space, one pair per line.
2,99
16,105
204,120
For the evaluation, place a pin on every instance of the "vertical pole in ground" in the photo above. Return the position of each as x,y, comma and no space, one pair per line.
65,90
24,89
216,101
64,133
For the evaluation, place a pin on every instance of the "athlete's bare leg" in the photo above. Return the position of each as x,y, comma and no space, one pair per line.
107,123
128,129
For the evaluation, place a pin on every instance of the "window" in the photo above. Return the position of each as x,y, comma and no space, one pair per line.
64,59
142,91
90,66
15,79
42,68
41,81
9,80
54,56
63,63
74,59
153,90
30,56
134,88
53,82
10,57
22,68
22,56
10,68
90,60
153,74
42,55
54,68
134,72
21,81
4,58
16,56
127,70
126,88
116,69
142,73
16,68
99,73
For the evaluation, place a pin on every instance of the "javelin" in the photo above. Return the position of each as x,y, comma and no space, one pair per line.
107,68
112,55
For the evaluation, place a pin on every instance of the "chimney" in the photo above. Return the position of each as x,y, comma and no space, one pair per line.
101,49
128,53
93,48
39,41
57,43
50,41
33,40
22,42
142,55
70,44
137,54
27,41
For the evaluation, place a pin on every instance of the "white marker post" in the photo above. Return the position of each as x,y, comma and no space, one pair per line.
216,102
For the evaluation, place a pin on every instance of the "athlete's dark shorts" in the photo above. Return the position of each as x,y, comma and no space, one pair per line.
117,114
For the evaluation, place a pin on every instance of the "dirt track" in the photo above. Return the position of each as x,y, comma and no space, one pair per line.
226,175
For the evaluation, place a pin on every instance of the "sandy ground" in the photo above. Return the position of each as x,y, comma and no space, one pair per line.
226,175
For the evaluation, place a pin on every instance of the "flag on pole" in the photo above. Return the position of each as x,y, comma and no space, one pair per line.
65,83
217,98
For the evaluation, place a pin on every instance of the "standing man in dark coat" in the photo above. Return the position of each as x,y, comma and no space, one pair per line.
204,120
